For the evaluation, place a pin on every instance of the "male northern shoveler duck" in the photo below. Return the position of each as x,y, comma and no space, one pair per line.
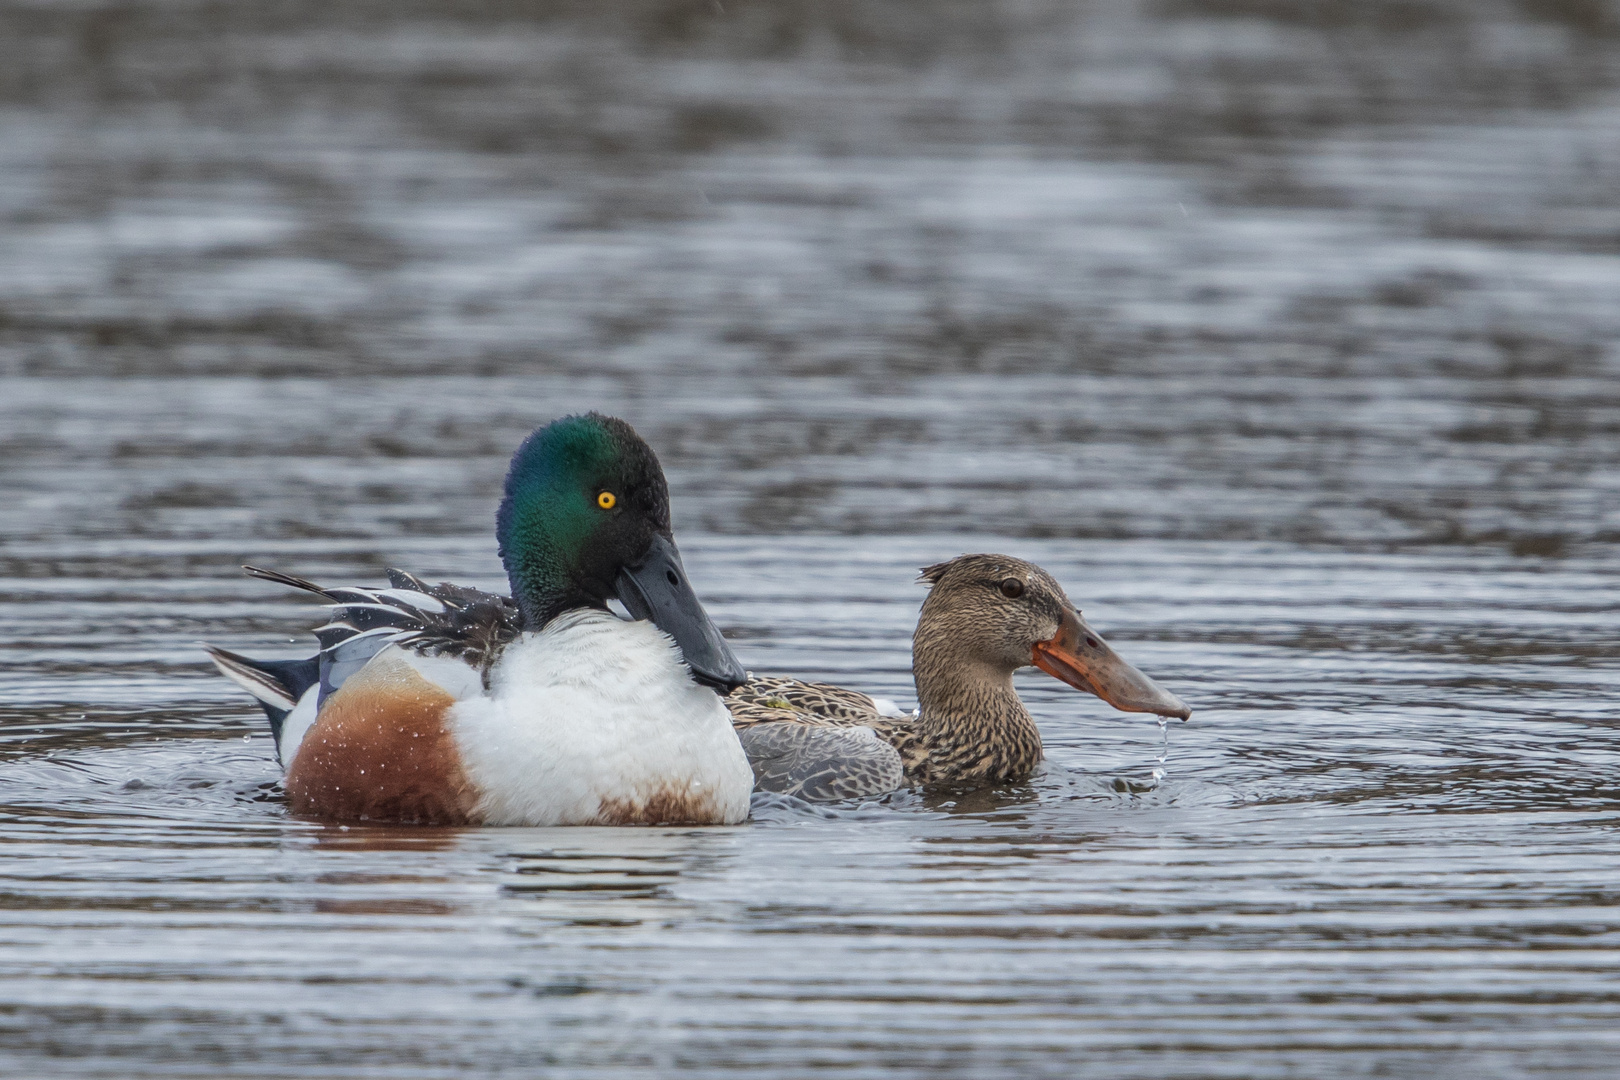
442,704
985,617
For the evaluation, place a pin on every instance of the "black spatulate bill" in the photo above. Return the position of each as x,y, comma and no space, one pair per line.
657,589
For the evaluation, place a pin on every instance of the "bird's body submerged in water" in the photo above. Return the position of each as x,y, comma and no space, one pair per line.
449,705
985,617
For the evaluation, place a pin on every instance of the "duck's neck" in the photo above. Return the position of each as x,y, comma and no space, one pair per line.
536,530
541,583
542,599
971,718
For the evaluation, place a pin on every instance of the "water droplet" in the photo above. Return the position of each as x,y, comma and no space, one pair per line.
1164,749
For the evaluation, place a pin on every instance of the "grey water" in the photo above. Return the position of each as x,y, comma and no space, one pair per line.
1283,332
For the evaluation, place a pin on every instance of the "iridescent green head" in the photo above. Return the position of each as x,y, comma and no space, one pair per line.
584,497
585,518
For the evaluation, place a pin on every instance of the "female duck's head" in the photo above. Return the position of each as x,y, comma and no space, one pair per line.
993,614
585,518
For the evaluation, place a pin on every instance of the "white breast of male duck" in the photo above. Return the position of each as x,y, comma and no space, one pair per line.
593,720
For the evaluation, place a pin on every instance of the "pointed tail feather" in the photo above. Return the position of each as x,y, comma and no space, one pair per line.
277,685
285,579
246,673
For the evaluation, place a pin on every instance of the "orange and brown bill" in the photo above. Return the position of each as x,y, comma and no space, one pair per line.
1080,657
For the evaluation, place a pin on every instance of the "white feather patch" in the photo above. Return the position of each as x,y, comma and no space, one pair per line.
595,710
419,601
449,673
390,632
296,726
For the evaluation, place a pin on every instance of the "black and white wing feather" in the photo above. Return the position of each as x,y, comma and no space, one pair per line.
432,620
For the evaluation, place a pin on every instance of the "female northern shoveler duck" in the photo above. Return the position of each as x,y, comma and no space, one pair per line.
448,705
985,617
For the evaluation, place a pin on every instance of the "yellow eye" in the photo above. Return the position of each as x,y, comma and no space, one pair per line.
607,500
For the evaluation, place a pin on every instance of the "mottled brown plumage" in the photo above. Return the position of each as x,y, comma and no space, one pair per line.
985,617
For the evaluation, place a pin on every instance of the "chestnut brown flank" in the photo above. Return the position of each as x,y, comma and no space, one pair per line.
665,806
380,751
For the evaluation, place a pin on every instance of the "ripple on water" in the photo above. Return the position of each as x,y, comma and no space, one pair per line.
1209,306
1359,852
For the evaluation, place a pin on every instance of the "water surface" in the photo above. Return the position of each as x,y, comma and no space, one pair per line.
1282,333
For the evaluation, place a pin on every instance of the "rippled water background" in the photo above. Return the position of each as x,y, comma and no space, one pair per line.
1284,332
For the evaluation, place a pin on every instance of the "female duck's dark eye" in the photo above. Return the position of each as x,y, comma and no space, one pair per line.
1012,588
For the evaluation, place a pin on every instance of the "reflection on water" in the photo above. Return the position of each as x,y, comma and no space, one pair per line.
1282,332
